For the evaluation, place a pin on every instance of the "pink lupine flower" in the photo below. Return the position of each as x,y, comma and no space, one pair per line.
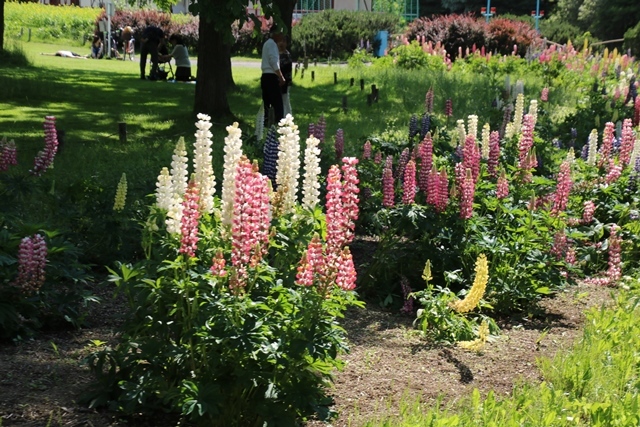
544,96
502,187
636,111
312,265
589,210
524,147
350,193
407,307
335,217
627,143
443,191
218,265
189,222
433,186
428,101
607,143
471,156
388,191
614,172
251,216
467,190
346,274
8,155
366,150
448,108
494,153
563,188
560,245
32,259
614,273
570,257
409,184
425,153
377,159
339,144
44,158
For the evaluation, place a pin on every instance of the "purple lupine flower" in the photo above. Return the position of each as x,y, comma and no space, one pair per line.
44,158
425,126
8,155
269,166
402,163
320,128
339,144
413,126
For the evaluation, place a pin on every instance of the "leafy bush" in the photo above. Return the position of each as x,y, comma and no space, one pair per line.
504,34
247,37
337,33
632,40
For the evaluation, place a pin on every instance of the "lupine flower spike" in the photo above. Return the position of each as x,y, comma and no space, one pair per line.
477,290
310,184
233,153
8,154
288,171
44,158
121,194
202,164
32,259
189,221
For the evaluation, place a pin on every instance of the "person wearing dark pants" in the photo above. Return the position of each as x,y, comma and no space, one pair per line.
272,77
149,46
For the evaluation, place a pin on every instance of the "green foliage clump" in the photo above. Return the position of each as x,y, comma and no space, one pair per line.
337,33
632,40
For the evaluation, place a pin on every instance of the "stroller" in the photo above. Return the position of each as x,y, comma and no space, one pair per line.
165,71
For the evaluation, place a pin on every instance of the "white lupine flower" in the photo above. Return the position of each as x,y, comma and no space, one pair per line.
472,126
164,190
533,111
571,156
179,169
509,131
233,153
518,114
593,147
174,216
288,164
636,151
202,167
260,123
486,134
462,133
310,184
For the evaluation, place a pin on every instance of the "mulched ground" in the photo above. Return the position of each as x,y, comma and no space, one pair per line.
41,379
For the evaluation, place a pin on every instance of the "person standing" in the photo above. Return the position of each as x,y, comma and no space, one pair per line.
272,77
286,66
181,55
150,39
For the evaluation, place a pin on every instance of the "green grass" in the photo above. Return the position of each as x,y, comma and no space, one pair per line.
596,383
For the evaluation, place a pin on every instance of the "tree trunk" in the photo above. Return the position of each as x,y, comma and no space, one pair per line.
214,72
1,25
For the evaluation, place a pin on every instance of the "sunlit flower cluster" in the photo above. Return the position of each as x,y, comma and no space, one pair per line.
627,143
202,166
121,194
233,153
425,153
409,183
467,190
310,184
563,188
388,191
288,165
472,299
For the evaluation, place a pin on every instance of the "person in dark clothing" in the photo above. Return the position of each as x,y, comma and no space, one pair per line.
286,67
150,39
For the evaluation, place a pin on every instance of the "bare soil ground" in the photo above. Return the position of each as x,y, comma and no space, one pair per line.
42,379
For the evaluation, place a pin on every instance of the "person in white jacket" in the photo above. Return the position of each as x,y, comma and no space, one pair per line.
272,77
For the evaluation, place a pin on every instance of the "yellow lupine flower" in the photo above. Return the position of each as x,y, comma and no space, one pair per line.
478,344
477,290
121,194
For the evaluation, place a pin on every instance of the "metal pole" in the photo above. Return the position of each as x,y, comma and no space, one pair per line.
488,10
537,13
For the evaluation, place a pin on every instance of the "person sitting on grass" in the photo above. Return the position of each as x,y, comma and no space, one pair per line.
181,55
97,48
65,54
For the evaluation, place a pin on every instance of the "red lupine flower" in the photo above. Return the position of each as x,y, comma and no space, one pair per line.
467,190
607,143
433,186
8,155
563,188
377,159
335,217
614,172
366,150
350,193
312,265
346,273
471,156
402,163
218,265
448,108
388,191
544,96
409,185
589,210
189,221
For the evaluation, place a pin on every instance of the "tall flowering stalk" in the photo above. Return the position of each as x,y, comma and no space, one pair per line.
544,96
271,148
502,187
467,190
179,169
472,126
189,221
8,154
233,153
320,129
310,184
592,155
443,191
388,191
563,188
525,160
485,141
506,118
428,101
409,183
636,111
462,132
448,108
251,219
202,166
164,191
339,144
121,194
588,211
366,150
425,126
533,112
32,259
477,289
311,268
615,170
518,114
44,158
614,272
288,165
425,153
402,163
350,193
471,156
413,126
494,154
628,142
346,275
607,143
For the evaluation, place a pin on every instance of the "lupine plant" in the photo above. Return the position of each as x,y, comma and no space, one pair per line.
234,315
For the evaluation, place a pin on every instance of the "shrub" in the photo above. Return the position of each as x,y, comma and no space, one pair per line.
504,34
337,33
247,38
632,40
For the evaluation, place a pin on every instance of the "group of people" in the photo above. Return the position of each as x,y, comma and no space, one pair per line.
154,45
277,68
